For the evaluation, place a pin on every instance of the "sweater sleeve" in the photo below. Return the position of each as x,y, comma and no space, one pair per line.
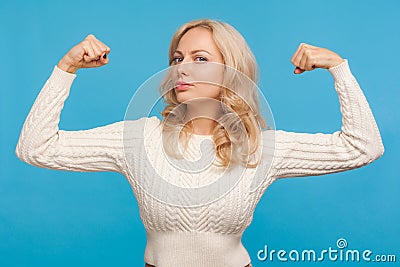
357,144
42,144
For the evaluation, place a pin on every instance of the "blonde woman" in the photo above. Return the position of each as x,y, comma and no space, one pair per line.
208,234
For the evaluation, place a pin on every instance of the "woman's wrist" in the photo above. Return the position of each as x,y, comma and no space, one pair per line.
336,61
64,65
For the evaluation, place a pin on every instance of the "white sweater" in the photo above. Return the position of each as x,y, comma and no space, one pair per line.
202,235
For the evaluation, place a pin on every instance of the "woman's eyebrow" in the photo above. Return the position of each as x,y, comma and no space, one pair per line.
194,51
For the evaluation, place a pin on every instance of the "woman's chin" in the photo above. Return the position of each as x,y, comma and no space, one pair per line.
182,98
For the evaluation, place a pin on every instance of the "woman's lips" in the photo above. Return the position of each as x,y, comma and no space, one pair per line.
181,86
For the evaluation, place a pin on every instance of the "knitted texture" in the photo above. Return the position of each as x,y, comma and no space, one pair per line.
203,235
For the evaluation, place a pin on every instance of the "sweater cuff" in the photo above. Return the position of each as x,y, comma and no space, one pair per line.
341,72
62,78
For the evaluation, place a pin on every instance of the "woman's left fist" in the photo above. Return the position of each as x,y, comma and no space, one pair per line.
309,57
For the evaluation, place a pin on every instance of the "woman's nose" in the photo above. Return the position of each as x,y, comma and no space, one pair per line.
183,68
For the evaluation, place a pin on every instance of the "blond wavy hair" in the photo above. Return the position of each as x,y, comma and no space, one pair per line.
241,119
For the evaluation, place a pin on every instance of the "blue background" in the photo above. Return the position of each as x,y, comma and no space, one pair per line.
58,218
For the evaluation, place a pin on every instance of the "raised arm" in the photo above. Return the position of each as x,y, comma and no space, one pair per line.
42,144
357,144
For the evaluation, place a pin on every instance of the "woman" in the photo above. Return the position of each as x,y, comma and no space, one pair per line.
210,234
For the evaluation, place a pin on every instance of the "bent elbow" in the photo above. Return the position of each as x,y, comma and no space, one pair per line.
25,154
380,149
18,152
369,151
375,151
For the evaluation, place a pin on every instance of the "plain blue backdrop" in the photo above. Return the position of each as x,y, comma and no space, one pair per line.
59,218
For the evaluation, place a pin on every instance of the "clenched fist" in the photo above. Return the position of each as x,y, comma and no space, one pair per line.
309,57
89,53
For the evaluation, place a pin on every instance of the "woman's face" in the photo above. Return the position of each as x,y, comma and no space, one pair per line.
197,66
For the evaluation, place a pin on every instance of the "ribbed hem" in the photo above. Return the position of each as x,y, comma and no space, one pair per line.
61,78
195,249
341,72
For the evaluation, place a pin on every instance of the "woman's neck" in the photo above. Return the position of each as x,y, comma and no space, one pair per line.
202,126
202,118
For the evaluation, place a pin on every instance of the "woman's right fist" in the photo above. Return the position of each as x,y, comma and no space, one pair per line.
89,53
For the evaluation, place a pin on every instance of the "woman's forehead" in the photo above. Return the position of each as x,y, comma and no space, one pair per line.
197,39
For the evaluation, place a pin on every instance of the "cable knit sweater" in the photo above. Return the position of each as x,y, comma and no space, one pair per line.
203,235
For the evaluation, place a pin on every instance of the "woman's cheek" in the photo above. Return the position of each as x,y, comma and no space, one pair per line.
211,73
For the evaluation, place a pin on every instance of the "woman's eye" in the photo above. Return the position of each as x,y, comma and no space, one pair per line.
176,59
201,59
